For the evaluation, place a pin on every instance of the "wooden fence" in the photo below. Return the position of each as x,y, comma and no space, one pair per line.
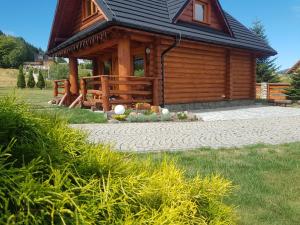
271,91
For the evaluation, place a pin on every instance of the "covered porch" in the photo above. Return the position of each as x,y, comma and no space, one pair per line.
126,70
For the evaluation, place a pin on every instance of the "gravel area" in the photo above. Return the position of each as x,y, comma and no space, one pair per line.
219,133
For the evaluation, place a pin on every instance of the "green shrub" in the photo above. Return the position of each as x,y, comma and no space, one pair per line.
119,117
90,184
31,81
293,93
182,116
21,83
41,81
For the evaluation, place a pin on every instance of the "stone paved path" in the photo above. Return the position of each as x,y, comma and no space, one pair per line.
183,136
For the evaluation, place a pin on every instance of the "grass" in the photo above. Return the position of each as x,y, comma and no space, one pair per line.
39,100
267,179
8,77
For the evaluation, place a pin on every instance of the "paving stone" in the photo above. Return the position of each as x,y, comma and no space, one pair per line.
222,129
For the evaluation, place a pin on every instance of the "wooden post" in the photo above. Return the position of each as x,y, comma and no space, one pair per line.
105,93
124,62
73,64
55,93
95,67
67,93
83,89
155,92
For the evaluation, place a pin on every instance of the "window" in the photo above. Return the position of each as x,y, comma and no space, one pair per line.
201,12
89,8
138,66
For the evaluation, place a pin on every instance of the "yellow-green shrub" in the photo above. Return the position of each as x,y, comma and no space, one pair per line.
90,184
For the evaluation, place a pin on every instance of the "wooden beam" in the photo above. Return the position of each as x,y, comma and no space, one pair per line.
124,60
95,49
73,77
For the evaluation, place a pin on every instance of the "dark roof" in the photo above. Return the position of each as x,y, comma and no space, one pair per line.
157,15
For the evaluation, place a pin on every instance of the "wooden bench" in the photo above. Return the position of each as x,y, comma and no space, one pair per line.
284,103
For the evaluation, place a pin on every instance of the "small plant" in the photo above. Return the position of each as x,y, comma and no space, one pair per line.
142,118
182,116
31,81
165,117
41,82
21,83
120,117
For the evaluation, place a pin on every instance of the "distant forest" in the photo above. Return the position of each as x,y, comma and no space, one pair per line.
14,51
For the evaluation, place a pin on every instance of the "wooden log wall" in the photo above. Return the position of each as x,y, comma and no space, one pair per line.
243,75
195,73
203,73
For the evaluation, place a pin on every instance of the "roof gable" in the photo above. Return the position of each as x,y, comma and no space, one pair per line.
69,20
217,19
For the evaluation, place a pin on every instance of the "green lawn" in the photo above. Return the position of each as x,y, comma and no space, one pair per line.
39,100
267,179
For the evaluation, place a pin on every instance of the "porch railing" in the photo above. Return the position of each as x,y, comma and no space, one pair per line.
62,89
105,91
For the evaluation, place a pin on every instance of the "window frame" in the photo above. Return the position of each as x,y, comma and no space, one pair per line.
206,11
92,7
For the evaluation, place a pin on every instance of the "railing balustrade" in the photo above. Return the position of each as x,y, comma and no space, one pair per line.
115,90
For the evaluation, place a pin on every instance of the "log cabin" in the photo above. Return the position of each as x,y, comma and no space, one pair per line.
164,52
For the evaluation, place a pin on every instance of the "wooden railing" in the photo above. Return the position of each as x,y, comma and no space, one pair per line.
62,87
106,90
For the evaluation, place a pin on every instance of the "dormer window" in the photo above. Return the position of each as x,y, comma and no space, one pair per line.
201,11
89,8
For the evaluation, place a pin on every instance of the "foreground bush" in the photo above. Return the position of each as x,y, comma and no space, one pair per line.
65,180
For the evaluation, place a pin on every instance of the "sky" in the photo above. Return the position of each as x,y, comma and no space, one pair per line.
32,20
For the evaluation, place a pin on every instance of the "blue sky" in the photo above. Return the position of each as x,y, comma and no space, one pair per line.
32,19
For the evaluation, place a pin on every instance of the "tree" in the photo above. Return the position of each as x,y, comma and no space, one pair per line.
293,92
15,51
266,69
31,81
59,71
41,82
1,33
21,78
60,60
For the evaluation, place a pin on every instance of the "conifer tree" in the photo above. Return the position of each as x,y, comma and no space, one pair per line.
293,92
21,83
31,81
41,81
266,69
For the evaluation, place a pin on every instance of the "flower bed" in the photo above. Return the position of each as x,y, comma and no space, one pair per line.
146,113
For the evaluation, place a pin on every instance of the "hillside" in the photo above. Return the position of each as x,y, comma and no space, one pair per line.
14,51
